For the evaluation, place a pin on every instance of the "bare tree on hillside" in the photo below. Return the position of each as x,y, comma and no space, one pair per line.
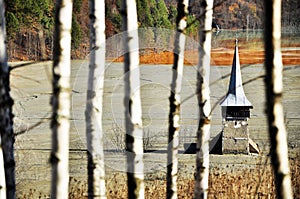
94,104
6,116
132,102
60,101
203,95
174,115
273,81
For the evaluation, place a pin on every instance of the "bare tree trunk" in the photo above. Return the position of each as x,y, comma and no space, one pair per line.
132,102
203,95
2,173
174,115
42,44
94,104
60,100
273,81
6,116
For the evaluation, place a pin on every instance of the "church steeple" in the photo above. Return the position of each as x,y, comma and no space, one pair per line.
235,95
236,106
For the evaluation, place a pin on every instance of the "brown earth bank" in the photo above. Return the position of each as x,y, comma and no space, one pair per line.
219,57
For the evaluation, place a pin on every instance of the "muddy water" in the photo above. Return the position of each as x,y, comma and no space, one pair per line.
251,46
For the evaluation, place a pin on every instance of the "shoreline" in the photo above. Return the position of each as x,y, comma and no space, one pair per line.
219,57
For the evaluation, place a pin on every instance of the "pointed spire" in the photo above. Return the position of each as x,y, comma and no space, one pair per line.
236,95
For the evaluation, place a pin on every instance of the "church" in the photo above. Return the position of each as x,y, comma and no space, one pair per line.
234,137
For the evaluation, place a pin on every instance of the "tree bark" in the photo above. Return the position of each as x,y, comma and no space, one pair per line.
2,173
60,100
174,115
274,87
6,116
42,44
132,102
94,104
203,95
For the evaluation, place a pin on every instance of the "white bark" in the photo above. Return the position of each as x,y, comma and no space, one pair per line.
274,68
174,115
6,116
132,102
60,101
2,173
203,95
94,105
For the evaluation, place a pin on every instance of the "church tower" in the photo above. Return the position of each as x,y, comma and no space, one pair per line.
235,114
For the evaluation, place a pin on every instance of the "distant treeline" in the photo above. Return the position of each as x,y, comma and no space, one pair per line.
30,22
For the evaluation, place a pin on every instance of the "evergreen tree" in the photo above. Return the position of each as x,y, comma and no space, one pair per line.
13,25
163,16
76,33
172,14
145,17
31,12
193,25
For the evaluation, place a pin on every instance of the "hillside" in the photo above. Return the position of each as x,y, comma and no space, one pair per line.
30,23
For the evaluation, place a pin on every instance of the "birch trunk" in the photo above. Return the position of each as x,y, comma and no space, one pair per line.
6,116
203,95
2,173
174,115
60,100
132,102
94,131
273,81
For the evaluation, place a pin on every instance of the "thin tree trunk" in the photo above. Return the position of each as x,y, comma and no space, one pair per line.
174,115
203,95
94,105
6,116
60,100
132,102
273,81
41,38
2,173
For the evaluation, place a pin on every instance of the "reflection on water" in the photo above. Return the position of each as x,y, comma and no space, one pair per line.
156,46
251,39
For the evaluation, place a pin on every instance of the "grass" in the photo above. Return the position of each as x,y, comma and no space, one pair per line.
244,183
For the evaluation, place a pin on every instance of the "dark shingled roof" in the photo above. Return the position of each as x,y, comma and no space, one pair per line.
236,95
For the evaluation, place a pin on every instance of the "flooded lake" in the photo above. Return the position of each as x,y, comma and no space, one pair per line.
31,90
252,39
251,47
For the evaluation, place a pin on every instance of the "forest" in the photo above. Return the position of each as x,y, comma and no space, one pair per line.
30,22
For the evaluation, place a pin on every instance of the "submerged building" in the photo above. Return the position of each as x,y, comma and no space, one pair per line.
234,137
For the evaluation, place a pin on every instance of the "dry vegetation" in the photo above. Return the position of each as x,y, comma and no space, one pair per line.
254,183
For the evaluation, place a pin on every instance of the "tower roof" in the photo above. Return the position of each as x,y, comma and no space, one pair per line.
235,95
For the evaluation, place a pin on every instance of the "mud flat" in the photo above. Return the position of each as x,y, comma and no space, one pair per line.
31,90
